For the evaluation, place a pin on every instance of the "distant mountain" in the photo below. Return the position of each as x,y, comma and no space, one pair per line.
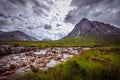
15,35
87,28
1,32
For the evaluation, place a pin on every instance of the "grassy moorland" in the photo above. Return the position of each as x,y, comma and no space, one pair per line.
98,64
66,42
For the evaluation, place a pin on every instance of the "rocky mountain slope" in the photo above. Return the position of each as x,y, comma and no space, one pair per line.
15,35
94,31
86,27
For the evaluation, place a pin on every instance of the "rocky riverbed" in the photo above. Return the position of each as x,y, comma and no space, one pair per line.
9,49
40,59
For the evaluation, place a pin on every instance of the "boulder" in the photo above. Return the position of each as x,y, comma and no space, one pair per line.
3,77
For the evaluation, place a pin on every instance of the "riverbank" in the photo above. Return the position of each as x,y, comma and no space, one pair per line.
42,59
36,59
93,64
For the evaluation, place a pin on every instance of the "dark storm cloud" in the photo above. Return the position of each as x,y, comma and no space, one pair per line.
22,2
3,22
22,9
7,6
102,10
37,8
81,3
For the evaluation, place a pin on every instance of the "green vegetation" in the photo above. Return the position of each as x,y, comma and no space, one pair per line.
66,42
94,39
97,64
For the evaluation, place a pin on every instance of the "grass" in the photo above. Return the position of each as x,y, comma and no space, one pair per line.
98,64
66,42
45,44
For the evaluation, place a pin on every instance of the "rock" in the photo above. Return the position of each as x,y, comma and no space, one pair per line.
3,77
65,51
1,70
9,49
20,62
8,72
6,68
42,65
34,68
23,63
54,51
31,53
12,66
32,59
57,58
15,57
46,60
5,49
48,55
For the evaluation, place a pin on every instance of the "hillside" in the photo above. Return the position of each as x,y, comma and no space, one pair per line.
15,35
94,31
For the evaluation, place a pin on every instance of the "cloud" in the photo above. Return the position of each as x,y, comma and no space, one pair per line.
101,10
32,16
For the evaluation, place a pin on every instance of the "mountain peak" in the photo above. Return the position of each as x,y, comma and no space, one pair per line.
87,27
84,19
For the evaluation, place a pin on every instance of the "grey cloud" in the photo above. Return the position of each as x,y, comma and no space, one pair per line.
101,10
82,3
29,16
97,14
23,9
47,27
3,22
21,2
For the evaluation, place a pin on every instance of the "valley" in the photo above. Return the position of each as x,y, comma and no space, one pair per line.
59,39
91,51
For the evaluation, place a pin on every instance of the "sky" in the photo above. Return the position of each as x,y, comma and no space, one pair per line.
54,19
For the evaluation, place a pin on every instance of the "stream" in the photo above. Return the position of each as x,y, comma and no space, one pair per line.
41,60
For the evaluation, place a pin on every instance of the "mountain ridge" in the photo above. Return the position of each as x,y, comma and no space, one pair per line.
94,32
1,32
15,35
87,27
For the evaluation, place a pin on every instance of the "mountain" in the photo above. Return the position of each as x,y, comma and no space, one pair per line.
87,28
15,35
1,32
